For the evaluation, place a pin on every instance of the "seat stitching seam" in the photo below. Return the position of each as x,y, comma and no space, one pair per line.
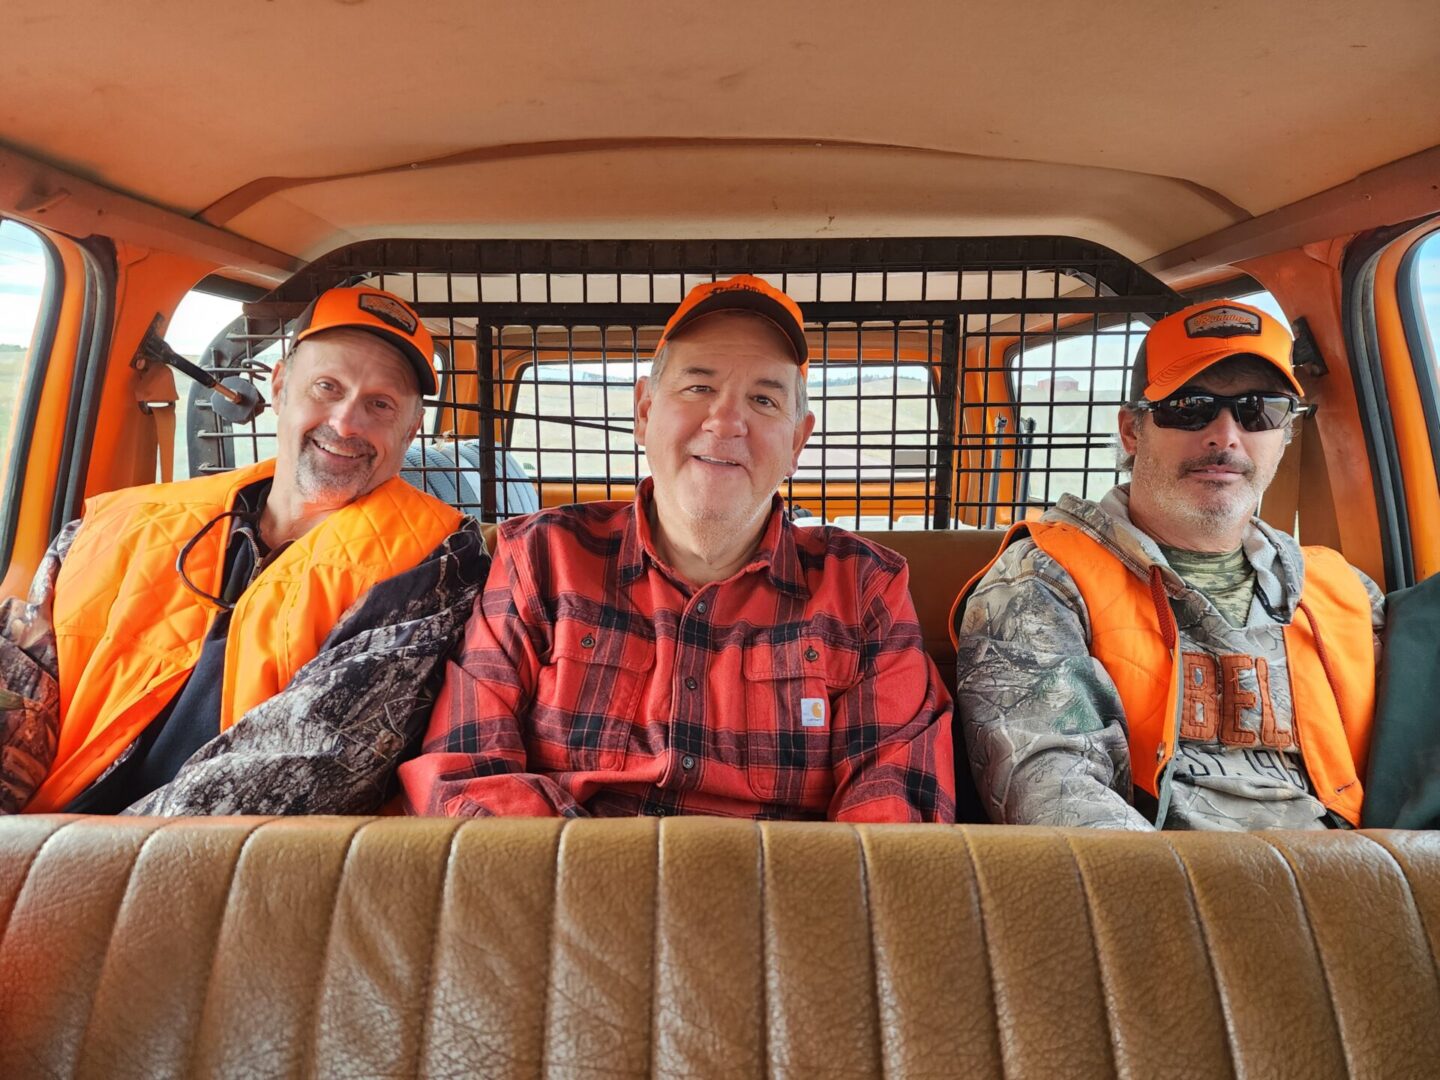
550,950
861,837
204,1009
1100,967
110,941
655,946
1350,1063
324,969
762,853
1220,995
428,994
1410,897
989,956
25,879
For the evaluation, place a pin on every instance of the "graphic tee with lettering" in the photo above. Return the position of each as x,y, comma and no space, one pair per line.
1237,744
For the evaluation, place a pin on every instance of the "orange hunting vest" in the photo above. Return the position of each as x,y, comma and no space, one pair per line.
128,632
1329,648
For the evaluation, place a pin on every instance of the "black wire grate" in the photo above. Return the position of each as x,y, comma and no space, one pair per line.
955,382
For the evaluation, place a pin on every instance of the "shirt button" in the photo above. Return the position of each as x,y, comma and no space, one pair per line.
690,683
687,762
811,654
588,641
702,607
660,812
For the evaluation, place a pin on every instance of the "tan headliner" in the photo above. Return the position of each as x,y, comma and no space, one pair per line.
1143,126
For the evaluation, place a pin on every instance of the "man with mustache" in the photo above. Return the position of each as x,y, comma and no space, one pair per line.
692,651
266,640
1163,658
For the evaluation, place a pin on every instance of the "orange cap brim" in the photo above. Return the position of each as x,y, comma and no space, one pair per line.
1181,370
719,296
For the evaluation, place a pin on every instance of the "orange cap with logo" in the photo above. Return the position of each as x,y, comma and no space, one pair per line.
744,292
1180,346
380,313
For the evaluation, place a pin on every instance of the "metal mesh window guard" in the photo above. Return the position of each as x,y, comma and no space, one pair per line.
955,382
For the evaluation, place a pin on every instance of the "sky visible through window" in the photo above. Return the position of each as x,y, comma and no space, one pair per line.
196,321
1427,281
22,280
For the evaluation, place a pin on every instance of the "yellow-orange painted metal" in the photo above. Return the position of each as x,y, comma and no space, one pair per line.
1412,434
147,283
38,486
1306,282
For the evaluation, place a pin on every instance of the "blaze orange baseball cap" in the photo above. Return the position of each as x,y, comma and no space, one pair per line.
744,292
1180,346
380,313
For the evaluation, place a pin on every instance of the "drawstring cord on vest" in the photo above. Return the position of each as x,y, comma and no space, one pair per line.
1324,658
217,601
1168,630
1170,634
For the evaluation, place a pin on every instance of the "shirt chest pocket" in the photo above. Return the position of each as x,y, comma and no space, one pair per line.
790,691
587,698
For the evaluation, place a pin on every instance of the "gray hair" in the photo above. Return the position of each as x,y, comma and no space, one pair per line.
802,393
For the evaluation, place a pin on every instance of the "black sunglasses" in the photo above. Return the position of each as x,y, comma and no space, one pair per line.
1253,412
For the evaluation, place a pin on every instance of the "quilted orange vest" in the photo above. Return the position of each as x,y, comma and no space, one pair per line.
1329,648
128,632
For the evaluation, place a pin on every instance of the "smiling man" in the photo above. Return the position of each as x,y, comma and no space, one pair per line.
266,640
692,651
1164,657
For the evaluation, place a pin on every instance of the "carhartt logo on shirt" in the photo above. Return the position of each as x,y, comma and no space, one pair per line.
812,712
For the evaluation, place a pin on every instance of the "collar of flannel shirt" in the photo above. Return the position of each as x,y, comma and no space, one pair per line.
776,554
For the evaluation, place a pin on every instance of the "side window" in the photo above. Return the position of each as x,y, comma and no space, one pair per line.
26,280
872,421
574,422
1422,292
1069,386
1265,302
198,318
874,424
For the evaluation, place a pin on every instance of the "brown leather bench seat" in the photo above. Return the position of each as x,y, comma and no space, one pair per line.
941,563
700,947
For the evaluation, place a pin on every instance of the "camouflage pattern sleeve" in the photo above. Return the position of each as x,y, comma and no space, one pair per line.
330,741
29,689
1377,610
1042,720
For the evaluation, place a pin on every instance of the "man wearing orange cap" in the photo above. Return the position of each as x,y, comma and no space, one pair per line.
266,640
1163,658
691,651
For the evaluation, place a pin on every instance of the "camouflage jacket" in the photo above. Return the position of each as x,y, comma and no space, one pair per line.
326,744
1044,723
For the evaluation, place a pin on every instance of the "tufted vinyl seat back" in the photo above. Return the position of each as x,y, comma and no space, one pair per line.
699,947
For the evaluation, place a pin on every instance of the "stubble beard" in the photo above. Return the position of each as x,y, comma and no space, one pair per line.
323,479
1219,508
719,525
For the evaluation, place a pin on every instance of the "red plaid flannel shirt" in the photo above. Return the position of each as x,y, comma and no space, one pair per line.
593,681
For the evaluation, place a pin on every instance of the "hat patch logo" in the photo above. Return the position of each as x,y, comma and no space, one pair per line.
389,311
1223,322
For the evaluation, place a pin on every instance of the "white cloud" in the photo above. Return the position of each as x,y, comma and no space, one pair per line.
197,319
22,279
